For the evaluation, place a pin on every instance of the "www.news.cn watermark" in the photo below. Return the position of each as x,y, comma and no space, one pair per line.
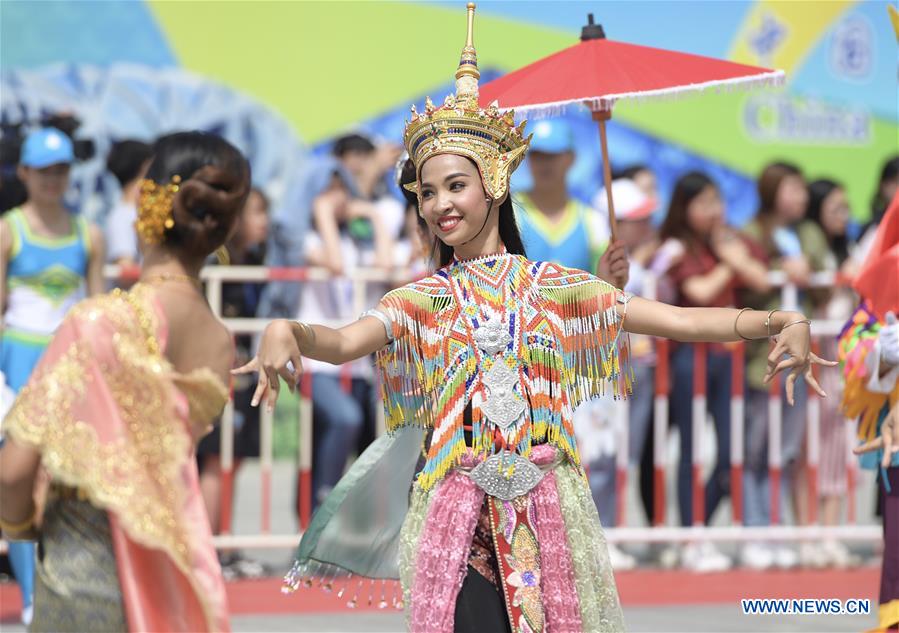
805,606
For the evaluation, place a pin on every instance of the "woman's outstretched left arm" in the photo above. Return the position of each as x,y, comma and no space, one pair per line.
791,350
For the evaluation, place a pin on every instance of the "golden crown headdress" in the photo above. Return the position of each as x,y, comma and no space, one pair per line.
460,126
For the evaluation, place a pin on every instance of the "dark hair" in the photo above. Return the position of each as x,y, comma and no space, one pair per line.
352,143
818,191
215,182
686,189
259,192
126,158
442,254
879,204
630,172
890,170
407,176
769,183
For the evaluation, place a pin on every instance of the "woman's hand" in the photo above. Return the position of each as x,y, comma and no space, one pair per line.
729,248
613,265
888,440
794,341
278,356
797,270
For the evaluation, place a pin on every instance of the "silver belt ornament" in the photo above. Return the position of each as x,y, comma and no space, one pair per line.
506,475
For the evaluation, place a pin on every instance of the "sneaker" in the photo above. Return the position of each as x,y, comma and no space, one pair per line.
813,555
27,615
704,558
669,556
838,555
785,557
250,568
757,556
620,560
235,566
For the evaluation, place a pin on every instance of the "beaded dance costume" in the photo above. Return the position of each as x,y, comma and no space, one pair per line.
489,358
545,336
553,336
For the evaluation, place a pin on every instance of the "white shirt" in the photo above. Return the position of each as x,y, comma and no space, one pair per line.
333,301
121,236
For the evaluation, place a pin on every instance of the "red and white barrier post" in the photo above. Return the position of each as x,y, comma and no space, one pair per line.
304,476
737,417
622,459
660,431
813,445
226,458
851,475
266,423
775,453
697,424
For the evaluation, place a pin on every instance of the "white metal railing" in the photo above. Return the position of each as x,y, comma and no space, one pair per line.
215,276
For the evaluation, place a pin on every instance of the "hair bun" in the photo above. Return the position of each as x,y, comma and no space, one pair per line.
206,206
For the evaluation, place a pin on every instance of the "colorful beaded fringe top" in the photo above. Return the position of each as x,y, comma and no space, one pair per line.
522,342
856,342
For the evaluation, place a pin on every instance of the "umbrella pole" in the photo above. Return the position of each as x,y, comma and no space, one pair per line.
601,116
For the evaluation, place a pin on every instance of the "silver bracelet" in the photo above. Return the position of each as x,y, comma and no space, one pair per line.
796,322
384,319
624,298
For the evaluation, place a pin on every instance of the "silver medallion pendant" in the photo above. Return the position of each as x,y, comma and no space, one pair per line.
506,476
492,336
503,406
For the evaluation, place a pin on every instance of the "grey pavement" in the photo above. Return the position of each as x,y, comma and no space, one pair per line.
667,619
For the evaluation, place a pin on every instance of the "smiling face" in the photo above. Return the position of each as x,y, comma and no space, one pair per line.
453,202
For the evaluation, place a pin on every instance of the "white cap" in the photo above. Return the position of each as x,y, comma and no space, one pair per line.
629,200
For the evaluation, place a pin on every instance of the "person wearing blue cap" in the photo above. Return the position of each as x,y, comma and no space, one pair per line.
556,227
559,228
50,259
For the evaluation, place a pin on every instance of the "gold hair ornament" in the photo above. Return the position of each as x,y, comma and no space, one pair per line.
154,211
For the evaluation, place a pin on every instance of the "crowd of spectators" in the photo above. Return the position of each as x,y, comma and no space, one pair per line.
346,214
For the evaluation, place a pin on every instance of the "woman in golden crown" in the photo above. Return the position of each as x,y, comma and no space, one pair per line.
481,366
113,411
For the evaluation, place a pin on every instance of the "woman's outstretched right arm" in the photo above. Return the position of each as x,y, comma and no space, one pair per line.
285,342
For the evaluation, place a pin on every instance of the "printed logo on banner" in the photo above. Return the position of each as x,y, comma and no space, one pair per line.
779,118
852,48
767,38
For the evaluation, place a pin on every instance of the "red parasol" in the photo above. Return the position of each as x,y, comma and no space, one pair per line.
598,72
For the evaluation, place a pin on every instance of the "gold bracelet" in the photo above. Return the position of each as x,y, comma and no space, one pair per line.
308,334
737,320
12,528
796,322
768,321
